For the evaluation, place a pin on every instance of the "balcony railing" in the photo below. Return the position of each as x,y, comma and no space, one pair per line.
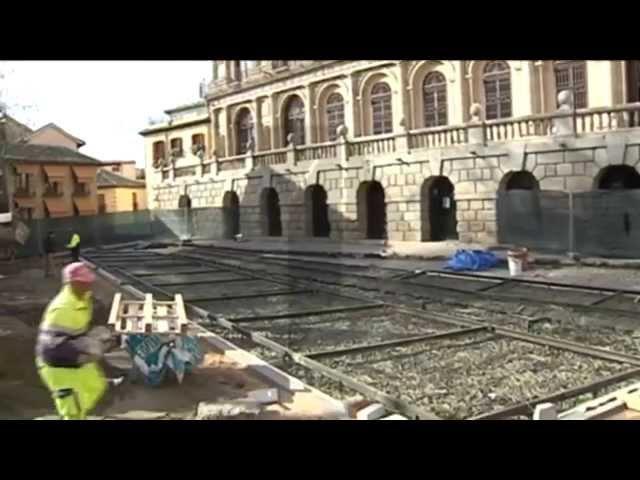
375,145
438,137
24,193
51,191
232,163
318,151
600,119
270,158
80,190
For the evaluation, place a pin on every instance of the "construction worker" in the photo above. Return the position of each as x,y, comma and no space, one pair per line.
74,247
49,248
66,356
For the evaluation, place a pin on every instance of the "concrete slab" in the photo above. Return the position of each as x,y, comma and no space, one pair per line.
372,412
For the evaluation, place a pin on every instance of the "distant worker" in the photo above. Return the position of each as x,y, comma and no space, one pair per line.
49,248
66,356
74,247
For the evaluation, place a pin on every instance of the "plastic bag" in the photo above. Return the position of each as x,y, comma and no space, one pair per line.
474,260
155,356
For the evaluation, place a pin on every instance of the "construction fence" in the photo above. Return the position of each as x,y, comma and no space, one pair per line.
114,228
597,223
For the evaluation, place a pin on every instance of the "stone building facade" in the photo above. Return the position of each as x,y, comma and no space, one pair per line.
404,150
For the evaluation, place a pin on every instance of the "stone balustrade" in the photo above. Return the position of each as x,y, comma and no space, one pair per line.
564,123
584,121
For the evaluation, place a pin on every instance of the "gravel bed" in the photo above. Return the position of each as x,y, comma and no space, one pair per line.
479,373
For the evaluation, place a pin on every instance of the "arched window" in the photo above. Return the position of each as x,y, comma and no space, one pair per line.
159,154
197,143
176,147
294,120
335,115
497,90
572,75
244,131
435,100
381,114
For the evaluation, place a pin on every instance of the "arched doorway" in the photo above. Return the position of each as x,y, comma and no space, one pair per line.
519,213
521,180
184,201
609,220
270,212
317,211
372,211
230,214
617,177
438,208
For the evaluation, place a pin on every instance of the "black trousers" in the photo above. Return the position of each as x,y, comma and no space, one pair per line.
75,254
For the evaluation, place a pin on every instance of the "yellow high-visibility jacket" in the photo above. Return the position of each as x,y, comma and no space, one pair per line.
66,319
75,241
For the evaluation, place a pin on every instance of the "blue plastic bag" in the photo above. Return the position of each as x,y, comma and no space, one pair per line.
474,260
155,356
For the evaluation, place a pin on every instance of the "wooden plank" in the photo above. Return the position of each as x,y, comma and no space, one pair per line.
147,322
182,323
115,306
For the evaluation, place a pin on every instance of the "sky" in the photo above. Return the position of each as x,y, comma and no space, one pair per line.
104,103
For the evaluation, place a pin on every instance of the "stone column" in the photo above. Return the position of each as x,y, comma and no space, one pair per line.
228,130
456,100
521,85
275,126
404,101
258,126
350,105
309,121
599,73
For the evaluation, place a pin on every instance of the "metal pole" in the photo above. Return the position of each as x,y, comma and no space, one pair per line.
572,250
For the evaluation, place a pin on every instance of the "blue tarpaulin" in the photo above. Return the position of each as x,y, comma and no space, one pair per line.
155,356
474,260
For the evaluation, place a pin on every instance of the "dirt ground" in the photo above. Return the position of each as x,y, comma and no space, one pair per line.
24,294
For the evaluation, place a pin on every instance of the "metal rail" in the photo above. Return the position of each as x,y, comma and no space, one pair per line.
306,313
201,282
392,343
274,293
153,274
542,283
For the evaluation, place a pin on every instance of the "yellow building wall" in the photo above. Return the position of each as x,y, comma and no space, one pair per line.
121,199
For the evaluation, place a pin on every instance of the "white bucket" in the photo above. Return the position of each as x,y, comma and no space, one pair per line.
515,265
